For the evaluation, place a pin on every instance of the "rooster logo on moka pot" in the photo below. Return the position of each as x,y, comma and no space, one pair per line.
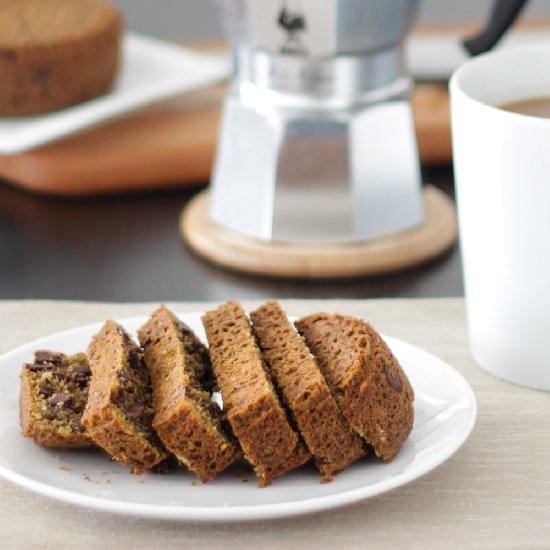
292,20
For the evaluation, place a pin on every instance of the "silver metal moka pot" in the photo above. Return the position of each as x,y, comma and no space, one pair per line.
317,141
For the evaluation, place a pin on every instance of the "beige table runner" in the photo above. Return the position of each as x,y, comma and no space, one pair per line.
493,493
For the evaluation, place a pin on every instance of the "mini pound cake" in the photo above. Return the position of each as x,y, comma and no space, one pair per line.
56,53
119,412
186,420
53,395
254,412
305,392
369,386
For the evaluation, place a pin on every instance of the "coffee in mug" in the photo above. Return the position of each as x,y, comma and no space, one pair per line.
539,106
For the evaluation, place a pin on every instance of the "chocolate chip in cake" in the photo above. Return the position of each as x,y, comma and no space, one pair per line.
46,390
60,399
46,356
82,369
37,367
60,372
393,378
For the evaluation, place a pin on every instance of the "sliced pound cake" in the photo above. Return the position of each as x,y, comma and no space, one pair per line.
365,378
53,395
256,416
186,420
119,411
305,392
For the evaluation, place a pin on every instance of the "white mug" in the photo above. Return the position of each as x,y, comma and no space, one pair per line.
502,177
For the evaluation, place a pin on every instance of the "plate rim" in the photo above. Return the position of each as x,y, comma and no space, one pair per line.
245,512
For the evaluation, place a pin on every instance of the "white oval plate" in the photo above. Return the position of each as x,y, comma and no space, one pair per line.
445,412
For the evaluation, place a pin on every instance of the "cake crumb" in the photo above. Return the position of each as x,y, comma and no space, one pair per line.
64,468
54,391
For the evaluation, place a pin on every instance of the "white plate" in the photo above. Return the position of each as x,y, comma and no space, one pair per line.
445,412
151,70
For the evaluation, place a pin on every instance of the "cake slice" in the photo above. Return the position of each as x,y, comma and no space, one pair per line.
119,411
365,378
186,420
305,392
254,411
54,389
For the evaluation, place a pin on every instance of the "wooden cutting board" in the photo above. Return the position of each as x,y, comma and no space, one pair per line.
172,144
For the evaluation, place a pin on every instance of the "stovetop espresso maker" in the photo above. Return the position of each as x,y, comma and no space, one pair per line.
317,142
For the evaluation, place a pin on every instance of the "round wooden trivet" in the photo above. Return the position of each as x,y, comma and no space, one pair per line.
392,253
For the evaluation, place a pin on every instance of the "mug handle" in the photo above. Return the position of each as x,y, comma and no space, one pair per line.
503,15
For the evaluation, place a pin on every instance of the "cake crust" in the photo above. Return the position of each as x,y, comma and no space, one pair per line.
305,392
254,411
365,378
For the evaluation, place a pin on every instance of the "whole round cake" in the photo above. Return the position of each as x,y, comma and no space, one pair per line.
56,53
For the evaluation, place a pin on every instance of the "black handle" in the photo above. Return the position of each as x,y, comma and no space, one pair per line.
503,15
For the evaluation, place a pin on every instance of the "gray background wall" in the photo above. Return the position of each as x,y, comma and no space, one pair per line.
196,19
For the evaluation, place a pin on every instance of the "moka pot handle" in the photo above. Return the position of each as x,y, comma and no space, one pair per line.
502,17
